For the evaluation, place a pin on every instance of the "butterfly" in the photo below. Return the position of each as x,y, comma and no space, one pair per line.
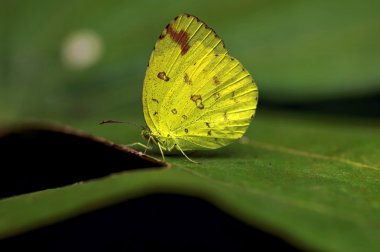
195,95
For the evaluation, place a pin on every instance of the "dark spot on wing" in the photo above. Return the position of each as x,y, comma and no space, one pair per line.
233,97
216,80
155,113
163,76
155,100
174,111
225,116
181,38
187,131
197,99
209,132
184,117
186,78
207,124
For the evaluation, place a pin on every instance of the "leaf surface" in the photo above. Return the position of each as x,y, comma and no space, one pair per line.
313,182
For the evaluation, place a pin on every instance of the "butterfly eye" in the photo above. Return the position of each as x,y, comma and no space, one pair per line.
145,134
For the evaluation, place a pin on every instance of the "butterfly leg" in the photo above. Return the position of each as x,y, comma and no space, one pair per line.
141,145
147,145
162,153
179,148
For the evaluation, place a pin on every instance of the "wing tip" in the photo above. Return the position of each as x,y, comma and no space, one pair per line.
200,21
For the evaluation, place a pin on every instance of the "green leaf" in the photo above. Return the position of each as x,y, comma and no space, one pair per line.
311,181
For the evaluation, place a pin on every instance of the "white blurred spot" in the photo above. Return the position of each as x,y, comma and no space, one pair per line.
81,49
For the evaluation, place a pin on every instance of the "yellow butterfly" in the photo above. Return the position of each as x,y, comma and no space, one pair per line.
195,96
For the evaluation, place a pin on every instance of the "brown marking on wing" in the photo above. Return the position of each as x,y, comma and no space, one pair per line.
181,38
155,100
163,76
233,97
225,116
216,80
174,111
187,79
207,124
197,99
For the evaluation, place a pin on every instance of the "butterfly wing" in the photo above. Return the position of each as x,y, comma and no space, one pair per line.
170,57
194,92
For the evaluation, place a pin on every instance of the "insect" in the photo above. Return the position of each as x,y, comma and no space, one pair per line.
195,95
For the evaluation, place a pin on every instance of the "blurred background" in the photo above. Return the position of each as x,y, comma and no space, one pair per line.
78,62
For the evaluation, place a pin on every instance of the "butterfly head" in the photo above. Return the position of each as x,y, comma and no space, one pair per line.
146,133
166,143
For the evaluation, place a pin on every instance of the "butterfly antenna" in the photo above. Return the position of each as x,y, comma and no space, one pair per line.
114,121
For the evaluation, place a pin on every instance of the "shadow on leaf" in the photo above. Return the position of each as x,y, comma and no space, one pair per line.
38,157
157,222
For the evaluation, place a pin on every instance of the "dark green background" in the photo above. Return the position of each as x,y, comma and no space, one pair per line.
308,168
298,52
